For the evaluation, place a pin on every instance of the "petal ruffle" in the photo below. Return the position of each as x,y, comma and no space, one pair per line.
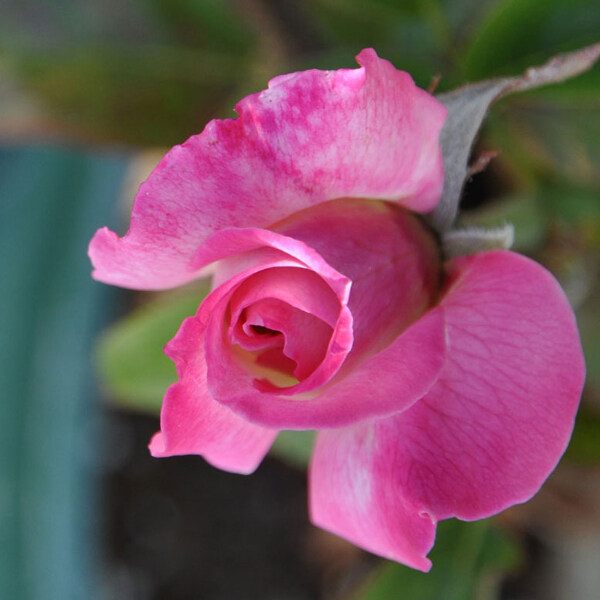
488,433
193,423
310,137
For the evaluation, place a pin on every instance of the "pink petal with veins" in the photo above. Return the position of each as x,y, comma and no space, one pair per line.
312,137
486,435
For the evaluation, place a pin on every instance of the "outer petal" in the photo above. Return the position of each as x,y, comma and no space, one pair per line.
353,492
485,437
193,423
311,137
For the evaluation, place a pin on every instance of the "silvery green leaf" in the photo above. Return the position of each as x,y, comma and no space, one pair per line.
467,107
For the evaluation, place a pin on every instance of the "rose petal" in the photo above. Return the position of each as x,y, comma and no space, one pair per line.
386,383
305,336
353,493
387,253
229,377
393,261
299,287
298,304
488,433
250,248
510,391
256,250
193,423
391,380
311,137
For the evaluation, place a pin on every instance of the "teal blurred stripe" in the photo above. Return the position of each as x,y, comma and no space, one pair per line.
51,202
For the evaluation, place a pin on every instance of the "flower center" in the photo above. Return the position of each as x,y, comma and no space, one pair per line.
262,330
280,324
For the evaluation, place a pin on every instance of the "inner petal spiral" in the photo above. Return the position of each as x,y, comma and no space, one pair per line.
282,320
282,337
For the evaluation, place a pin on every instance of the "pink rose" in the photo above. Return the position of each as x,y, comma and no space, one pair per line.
440,389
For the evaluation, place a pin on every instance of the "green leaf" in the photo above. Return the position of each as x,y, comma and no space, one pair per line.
410,34
212,24
152,83
572,203
588,317
467,107
584,447
294,447
550,134
516,33
468,561
130,357
554,129
148,94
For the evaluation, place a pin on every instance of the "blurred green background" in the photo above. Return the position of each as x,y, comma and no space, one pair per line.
91,95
